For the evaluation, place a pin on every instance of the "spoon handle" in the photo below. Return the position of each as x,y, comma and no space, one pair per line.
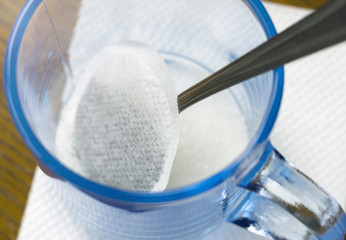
324,27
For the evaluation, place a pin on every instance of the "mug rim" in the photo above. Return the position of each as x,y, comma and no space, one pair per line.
109,194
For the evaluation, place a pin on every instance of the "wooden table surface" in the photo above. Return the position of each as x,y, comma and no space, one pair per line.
17,163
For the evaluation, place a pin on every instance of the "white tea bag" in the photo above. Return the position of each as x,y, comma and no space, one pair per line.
124,119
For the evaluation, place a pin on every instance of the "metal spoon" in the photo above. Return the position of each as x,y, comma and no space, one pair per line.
324,27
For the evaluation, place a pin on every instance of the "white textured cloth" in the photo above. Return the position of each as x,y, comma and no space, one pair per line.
310,132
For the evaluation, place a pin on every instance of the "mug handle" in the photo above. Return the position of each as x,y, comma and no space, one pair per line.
283,203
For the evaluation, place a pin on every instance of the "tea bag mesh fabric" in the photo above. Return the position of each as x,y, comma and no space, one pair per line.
126,124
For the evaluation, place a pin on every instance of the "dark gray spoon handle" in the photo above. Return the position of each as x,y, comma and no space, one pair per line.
324,27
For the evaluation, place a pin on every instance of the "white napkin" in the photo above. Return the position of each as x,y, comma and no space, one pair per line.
310,132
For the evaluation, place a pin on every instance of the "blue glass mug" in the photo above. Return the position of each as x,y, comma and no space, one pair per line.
258,191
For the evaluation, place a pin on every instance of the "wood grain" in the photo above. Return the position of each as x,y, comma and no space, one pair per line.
303,3
17,163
